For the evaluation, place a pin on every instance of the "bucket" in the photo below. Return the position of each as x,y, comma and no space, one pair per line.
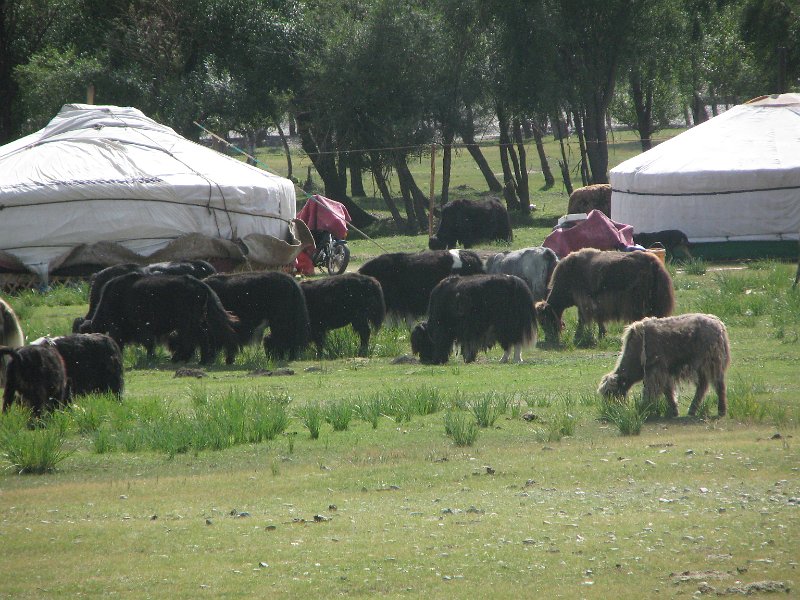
659,251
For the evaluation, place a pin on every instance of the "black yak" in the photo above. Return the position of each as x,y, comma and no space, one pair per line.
348,299
476,313
407,279
37,375
148,309
265,299
605,286
93,362
674,241
663,352
471,222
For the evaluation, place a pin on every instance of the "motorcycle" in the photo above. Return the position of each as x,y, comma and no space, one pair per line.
331,253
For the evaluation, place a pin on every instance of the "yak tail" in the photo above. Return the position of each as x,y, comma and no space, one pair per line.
376,311
221,325
662,299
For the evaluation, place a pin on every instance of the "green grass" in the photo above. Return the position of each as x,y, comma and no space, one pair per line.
188,488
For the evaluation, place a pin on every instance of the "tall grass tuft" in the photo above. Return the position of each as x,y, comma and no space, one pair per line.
37,450
743,404
312,417
628,414
370,409
695,266
486,408
425,400
460,427
339,413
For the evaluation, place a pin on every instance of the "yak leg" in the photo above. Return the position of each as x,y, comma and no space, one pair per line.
517,354
583,336
361,327
602,330
672,401
699,393
722,396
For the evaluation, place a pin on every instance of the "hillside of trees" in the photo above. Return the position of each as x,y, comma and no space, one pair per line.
364,84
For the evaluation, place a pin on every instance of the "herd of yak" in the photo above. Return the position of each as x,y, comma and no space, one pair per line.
466,302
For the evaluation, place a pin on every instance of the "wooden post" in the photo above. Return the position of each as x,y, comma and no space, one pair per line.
90,94
433,182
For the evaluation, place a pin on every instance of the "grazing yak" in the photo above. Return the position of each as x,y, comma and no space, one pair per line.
663,352
605,286
93,363
407,279
147,309
195,268
589,198
476,312
10,332
37,375
347,299
533,265
265,299
674,241
471,222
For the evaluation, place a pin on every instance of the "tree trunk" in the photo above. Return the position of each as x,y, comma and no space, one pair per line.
250,138
286,151
356,175
468,136
549,180
325,163
522,182
447,162
383,187
699,114
509,187
410,188
643,105
563,164
597,138
584,164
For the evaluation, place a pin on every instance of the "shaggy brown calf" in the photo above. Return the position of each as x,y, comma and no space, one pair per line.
37,375
663,352
590,197
605,286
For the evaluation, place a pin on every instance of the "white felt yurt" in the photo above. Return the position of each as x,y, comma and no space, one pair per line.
110,177
734,178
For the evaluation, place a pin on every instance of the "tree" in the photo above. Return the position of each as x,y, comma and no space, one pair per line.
26,27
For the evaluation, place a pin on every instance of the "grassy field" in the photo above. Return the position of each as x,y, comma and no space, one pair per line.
215,486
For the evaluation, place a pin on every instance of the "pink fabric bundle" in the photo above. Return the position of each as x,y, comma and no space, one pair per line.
321,213
597,231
